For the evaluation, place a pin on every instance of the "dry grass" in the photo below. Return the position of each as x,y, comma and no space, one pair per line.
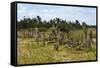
29,52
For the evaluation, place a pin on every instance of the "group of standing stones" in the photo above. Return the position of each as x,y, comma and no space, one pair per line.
59,38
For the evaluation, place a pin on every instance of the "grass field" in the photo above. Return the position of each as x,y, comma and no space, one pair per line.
29,52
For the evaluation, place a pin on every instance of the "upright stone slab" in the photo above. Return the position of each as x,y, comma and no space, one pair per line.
84,33
37,35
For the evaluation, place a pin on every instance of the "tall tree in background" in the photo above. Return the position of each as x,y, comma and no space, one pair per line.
77,24
39,21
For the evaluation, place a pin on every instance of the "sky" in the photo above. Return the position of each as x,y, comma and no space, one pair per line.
47,12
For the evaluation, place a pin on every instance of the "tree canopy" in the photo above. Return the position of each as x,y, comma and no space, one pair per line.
60,24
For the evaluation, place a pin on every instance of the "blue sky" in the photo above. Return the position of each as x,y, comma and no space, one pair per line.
47,12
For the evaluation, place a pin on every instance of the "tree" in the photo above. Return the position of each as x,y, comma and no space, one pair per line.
77,24
39,19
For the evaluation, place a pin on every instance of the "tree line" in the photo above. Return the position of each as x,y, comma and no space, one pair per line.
60,24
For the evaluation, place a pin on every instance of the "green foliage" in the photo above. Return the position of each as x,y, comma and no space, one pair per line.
61,24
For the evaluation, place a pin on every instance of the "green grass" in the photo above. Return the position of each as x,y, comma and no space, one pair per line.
29,52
